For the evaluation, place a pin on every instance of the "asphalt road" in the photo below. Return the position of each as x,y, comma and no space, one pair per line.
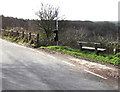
28,69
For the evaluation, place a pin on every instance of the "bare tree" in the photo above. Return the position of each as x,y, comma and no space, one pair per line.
47,15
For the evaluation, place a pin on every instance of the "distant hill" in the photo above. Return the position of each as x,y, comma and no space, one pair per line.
115,22
71,31
85,28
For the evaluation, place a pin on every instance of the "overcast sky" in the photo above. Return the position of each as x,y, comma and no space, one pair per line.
94,10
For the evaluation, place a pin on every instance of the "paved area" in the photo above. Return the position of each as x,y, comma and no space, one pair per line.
27,69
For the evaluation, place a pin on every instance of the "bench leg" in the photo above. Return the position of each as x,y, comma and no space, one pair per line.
96,50
80,44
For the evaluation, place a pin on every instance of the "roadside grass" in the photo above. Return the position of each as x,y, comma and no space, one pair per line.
112,59
12,39
16,40
9,38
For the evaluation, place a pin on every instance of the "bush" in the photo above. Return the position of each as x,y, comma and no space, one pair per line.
118,55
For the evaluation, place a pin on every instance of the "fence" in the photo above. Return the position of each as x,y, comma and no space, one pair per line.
34,38
29,37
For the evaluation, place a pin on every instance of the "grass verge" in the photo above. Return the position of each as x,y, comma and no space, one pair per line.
17,40
113,59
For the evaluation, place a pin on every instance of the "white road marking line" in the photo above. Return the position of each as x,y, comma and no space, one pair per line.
51,56
74,59
95,74
40,52
68,63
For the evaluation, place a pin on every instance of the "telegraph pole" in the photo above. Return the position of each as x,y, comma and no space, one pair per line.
56,13
57,30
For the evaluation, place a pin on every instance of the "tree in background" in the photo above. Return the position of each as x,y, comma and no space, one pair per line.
47,15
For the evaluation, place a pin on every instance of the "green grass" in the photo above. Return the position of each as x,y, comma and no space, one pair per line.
9,38
14,39
113,59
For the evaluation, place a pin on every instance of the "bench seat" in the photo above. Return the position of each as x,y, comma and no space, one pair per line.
92,48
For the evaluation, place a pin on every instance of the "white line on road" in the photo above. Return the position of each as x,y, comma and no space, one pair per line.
68,63
51,56
75,59
40,52
95,74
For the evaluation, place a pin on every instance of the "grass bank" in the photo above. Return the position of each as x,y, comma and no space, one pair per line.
17,40
113,59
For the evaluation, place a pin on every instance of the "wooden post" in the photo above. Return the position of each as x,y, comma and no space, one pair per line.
37,40
7,33
17,34
80,45
96,49
11,33
29,37
22,34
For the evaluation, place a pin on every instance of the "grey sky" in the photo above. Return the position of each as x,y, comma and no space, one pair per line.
95,10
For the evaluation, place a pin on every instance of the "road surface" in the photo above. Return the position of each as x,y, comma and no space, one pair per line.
24,68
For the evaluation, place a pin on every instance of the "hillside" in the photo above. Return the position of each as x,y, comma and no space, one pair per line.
71,31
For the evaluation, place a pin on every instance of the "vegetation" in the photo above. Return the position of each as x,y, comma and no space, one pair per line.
69,31
47,15
9,38
113,59
17,40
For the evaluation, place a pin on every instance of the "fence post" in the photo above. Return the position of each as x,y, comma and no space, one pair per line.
7,33
22,34
37,40
11,33
17,34
29,37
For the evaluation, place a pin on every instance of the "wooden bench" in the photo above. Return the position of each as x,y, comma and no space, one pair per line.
91,46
